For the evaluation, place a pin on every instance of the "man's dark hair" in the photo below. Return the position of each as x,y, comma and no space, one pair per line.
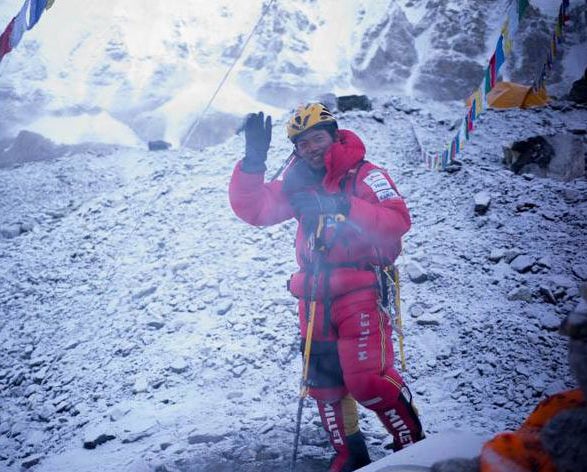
331,128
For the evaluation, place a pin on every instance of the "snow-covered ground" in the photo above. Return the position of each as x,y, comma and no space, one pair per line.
140,317
138,311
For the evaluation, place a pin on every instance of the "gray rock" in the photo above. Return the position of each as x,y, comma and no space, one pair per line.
561,281
580,270
416,310
578,94
416,272
500,400
549,321
223,308
178,366
511,254
62,406
94,439
429,319
118,412
238,371
197,438
18,378
558,156
520,293
522,263
72,345
568,162
138,435
353,102
144,292
141,385
482,201
496,255
158,145
39,376
572,196
32,461
10,232
38,361
547,295
125,348
156,323
544,262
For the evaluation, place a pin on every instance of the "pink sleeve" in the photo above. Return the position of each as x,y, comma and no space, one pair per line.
379,208
256,202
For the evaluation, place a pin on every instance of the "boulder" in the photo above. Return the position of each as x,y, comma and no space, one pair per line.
482,202
93,439
353,102
521,293
416,272
578,92
522,263
159,145
560,156
10,232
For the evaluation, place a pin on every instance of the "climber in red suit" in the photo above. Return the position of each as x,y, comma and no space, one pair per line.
363,216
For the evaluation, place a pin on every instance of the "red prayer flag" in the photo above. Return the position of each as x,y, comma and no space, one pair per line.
5,47
492,71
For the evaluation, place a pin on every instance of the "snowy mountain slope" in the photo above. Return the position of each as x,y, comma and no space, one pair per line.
125,82
139,312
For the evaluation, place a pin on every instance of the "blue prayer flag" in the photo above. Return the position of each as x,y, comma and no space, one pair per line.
37,9
499,54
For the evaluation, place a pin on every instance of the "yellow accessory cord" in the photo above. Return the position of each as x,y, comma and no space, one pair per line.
398,314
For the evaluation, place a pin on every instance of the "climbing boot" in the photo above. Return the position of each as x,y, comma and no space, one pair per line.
353,457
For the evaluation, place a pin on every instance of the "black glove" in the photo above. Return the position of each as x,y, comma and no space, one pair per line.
257,139
312,204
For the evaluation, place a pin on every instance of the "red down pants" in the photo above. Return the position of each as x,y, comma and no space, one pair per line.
351,353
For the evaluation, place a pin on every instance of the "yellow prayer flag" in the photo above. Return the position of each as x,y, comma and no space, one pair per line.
478,102
507,41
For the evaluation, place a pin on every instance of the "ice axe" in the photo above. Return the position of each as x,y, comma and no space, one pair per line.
283,166
318,247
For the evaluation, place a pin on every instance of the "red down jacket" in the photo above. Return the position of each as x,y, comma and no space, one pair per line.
377,220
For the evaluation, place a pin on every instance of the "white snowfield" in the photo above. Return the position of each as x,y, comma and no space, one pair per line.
437,447
139,317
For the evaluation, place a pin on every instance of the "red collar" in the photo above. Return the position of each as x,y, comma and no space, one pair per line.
342,156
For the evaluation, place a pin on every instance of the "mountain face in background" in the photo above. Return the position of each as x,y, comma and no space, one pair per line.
127,72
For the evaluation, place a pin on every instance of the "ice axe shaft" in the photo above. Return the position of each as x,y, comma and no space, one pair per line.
398,313
283,166
308,343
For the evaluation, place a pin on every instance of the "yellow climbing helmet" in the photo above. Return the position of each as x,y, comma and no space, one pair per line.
308,116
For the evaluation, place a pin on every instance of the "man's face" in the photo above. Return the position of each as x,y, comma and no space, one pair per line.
312,145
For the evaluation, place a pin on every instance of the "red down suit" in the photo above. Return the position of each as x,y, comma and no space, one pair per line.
351,343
